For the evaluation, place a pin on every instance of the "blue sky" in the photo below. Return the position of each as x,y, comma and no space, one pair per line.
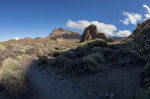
38,18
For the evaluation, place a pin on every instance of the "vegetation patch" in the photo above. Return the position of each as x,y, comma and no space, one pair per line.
143,93
13,79
92,62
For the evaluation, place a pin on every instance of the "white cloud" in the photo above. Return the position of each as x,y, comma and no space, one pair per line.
148,11
16,38
123,33
132,18
108,29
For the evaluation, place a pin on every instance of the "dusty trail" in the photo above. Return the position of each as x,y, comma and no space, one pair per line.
123,82
48,87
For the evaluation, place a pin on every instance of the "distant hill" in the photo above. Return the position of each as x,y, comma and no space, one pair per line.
65,34
117,38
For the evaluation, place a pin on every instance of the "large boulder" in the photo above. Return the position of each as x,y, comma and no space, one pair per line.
91,33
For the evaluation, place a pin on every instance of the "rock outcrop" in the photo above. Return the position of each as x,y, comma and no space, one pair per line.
91,33
141,34
27,38
64,34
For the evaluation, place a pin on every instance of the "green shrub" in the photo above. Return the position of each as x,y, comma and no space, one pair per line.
69,54
60,61
13,82
92,62
147,67
10,64
56,53
41,53
143,93
13,79
23,56
95,43
2,47
96,49
6,74
97,56
19,57
43,60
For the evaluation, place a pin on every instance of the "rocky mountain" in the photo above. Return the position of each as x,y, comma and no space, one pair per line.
91,33
27,38
65,34
141,35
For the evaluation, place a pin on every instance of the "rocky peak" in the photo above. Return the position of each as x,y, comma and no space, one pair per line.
65,34
141,33
91,33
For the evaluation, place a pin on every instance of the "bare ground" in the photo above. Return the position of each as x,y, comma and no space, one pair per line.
121,82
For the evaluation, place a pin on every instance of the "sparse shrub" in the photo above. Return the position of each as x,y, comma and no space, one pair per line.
144,51
147,67
92,62
96,49
72,66
19,57
143,93
98,57
59,61
10,64
23,56
2,47
32,51
91,65
95,43
13,79
43,60
56,53
41,53
146,58
111,58
69,54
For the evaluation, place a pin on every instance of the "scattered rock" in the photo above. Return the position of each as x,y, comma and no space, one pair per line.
61,78
100,94
44,72
107,95
89,93
111,96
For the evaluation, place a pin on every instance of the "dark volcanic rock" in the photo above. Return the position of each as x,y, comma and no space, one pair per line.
65,34
91,33
141,34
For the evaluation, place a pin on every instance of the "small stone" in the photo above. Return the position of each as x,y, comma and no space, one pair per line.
100,94
44,72
107,95
111,96
89,93
61,78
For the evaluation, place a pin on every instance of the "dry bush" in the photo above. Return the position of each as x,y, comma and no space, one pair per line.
92,62
13,78
143,93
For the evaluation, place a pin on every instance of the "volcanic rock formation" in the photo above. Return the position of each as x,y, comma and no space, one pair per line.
65,34
27,38
91,33
141,34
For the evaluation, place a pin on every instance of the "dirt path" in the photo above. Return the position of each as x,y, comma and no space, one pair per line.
122,83
49,87
112,83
